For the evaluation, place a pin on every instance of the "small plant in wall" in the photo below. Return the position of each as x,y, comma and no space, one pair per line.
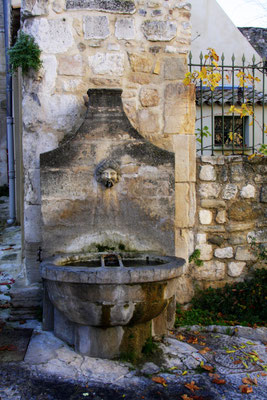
195,258
25,54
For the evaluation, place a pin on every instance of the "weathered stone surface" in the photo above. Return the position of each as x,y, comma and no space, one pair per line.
245,253
182,204
185,291
210,271
34,8
63,112
32,233
241,211
216,239
149,97
213,228
201,238
96,27
237,238
239,226
148,121
179,109
175,68
31,186
259,236
50,72
229,192
58,6
209,190
221,217
205,217
113,6
124,29
226,252
237,172
235,269
159,31
248,192
70,65
263,194
53,36
207,173
182,164
217,160
150,368
206,252
212,203
141,62
107,63
103,82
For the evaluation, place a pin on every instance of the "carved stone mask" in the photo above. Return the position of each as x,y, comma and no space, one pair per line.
108,177
107,172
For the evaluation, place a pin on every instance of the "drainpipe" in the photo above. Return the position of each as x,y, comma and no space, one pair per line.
9,119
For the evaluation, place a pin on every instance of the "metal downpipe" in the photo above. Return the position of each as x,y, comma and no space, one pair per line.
9,119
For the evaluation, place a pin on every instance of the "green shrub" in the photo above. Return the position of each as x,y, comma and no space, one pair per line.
242,303
25,54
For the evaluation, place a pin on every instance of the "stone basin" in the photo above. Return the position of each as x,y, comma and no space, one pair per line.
107,296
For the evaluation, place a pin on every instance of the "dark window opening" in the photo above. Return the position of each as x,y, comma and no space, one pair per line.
235,131
15,24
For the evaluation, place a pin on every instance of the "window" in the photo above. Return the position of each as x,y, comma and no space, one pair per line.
231,124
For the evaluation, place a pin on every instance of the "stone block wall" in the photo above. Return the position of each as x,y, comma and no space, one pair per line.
138,46
231,209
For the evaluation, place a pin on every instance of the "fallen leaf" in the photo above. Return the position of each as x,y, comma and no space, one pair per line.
185,372
185,397
205,350
250,381
263,374
159,379
237,362
22,322
219,381
215,376
180,337
209,368
245,364
191,386
202,344
245,389
192,340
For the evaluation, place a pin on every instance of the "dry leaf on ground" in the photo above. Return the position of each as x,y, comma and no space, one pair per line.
159,379
191,386
237,362
185,397
245,389
205,350
219,381
250,381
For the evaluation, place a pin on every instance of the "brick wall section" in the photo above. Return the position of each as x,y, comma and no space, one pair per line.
231,208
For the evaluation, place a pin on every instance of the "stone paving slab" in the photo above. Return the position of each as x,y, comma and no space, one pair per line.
59,369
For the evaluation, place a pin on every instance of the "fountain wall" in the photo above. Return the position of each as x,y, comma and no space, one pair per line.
140,47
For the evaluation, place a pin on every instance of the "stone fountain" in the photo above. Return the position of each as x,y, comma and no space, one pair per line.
108,235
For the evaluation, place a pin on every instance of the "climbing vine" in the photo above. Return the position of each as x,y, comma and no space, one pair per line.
210,75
